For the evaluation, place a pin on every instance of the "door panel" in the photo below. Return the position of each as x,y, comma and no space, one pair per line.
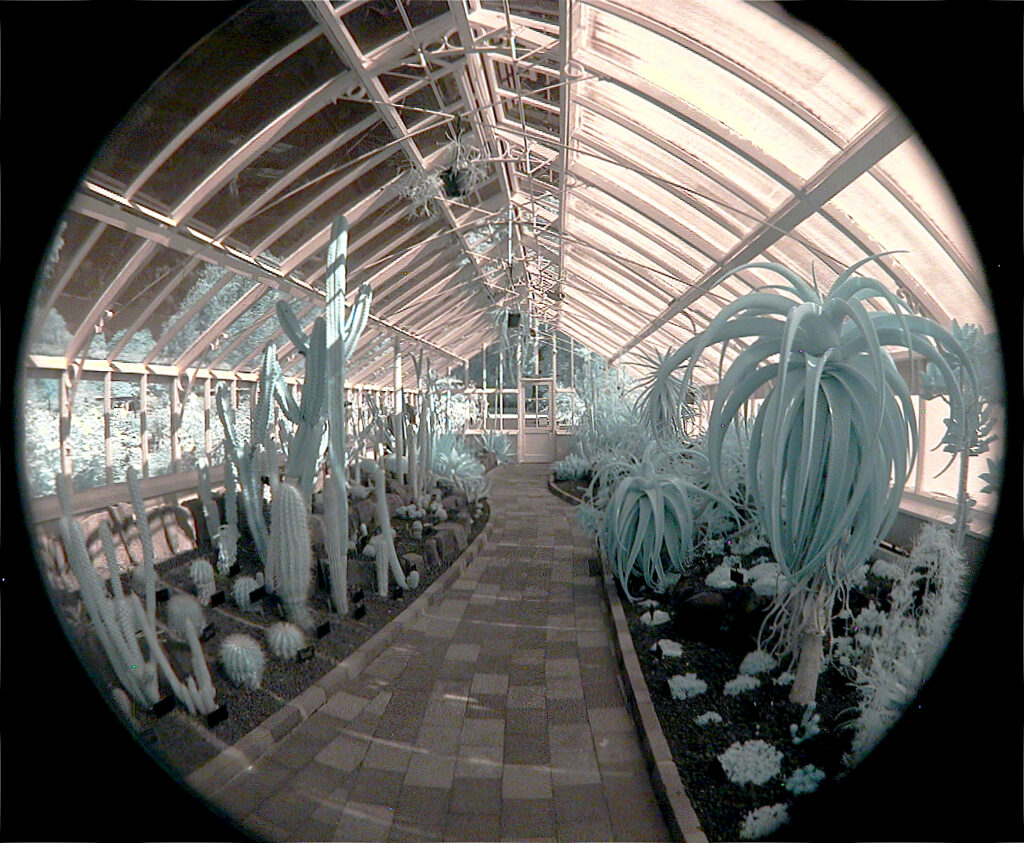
536,420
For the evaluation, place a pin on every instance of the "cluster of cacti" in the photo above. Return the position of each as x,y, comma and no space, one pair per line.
285,640
117,620
243,660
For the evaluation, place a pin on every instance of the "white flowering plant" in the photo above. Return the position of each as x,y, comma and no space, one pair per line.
751,762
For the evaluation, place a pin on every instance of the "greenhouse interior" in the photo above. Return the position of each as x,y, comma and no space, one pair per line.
512,420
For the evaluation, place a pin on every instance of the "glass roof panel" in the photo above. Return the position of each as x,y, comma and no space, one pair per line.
888,223
912,168
660,123
625,51
739,34
212,66
666,169
295,147
270,96
230,288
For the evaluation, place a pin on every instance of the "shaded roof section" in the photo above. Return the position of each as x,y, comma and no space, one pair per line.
601,165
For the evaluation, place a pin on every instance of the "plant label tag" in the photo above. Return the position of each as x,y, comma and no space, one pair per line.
163,707
323,629
217,598
208,632
257,594
358,612
234,570
305,654
357,596
218,715
736,576
162,595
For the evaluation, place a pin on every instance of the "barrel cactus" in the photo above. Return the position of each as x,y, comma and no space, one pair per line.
285,640
240,591
182,607
242,658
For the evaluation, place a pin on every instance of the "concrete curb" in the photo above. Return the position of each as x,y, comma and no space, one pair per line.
222,768
680,817
561,493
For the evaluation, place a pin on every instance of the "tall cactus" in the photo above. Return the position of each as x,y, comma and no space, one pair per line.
290,562
308,416
341,341
242,459
387,557
210,511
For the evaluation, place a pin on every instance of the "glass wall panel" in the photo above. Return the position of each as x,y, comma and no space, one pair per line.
158,428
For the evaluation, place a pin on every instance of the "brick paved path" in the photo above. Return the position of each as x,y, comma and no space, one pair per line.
498,716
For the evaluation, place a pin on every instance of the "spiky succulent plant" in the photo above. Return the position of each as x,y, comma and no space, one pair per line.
834,440
243,660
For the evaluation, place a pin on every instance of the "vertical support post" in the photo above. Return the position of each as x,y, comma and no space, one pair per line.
176,415
65,395
207,416
143,422
399,392
108,442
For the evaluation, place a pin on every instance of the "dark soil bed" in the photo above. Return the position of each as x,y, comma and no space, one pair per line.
185,741
576,488
714,642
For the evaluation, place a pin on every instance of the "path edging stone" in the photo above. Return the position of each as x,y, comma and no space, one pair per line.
680,817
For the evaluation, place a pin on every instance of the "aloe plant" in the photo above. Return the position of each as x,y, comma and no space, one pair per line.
833,442
647,518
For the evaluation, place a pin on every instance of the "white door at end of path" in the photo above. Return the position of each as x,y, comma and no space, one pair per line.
537,420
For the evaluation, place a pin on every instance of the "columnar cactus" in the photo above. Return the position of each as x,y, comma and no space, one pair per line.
148,556
285,640
243,660
138,677
290,562
242,459
210,511
202,576
386,556
341,339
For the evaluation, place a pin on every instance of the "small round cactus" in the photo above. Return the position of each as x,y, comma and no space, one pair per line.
285,640
182,608
241,589
412,579
202,575
242,658
370,551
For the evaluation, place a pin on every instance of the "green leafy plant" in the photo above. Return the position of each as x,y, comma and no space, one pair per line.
835,401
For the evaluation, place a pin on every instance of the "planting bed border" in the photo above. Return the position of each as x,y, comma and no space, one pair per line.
680,817
230,762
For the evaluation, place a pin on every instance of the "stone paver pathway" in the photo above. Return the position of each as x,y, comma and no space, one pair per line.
498,716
